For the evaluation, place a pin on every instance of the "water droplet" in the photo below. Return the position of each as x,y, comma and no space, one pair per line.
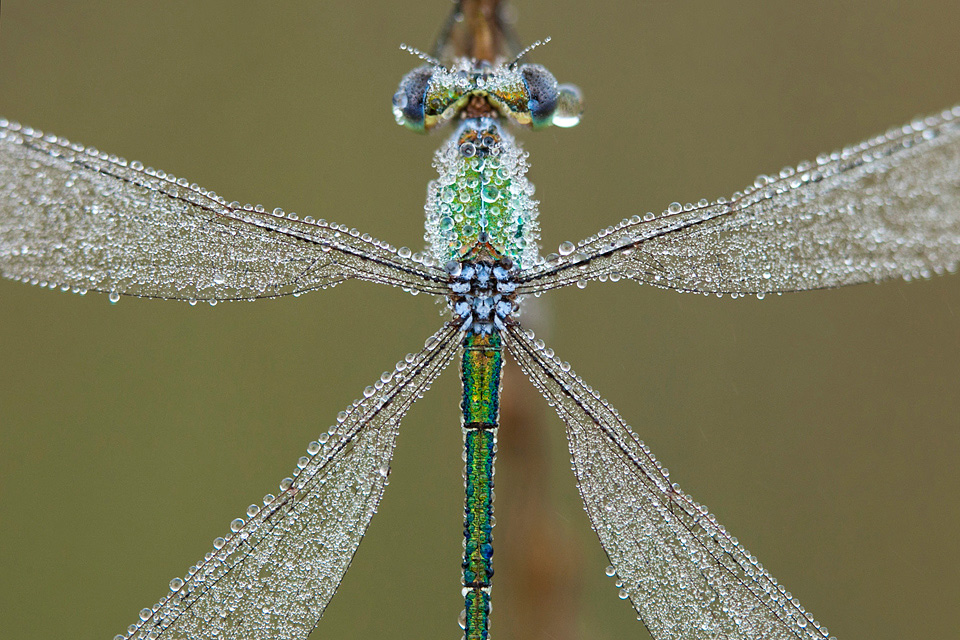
566,248
176,584
489,193
114,297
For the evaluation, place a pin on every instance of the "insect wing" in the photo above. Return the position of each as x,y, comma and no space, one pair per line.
685,574
74,218
273,576
886,208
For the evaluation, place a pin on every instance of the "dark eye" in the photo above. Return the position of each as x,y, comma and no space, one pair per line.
542,92
408,100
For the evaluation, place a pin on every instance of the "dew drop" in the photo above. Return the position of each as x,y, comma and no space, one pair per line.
489,193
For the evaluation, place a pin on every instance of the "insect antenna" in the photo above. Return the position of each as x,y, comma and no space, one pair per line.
420,54
513,63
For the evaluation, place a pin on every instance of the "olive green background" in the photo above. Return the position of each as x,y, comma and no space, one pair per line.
822,428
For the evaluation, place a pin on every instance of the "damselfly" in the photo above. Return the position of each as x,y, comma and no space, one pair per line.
560,143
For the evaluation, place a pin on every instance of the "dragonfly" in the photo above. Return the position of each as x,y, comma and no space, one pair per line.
924,141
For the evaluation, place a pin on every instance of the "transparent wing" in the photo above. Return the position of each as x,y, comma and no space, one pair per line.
886,208
685,575
74,218
273,576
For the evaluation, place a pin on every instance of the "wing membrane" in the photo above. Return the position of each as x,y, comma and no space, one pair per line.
685,575
886,208
276,572
75,218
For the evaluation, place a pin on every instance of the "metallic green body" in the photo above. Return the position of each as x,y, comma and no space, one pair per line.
480,373
483,192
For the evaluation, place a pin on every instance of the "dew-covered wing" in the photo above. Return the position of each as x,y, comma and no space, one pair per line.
685,574
886,208
272,577
78,219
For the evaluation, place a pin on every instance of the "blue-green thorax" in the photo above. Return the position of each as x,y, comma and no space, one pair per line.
482,202
481,189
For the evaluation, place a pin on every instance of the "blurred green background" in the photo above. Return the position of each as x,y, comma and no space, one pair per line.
822,428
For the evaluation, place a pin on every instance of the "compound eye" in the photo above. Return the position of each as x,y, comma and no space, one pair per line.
542,92
548,102
408,101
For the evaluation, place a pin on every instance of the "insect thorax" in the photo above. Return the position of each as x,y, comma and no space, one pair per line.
482,186
481,189
481,220
482,290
